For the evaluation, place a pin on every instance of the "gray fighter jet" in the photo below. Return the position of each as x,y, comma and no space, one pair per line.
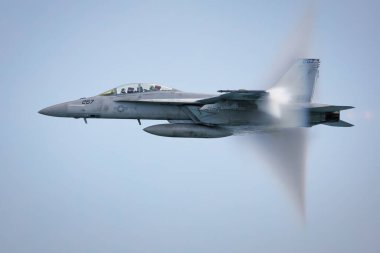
286,105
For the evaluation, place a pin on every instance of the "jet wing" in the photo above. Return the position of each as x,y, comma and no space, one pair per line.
231,95
236,95
173,101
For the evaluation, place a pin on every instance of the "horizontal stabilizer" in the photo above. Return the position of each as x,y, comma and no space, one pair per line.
328,108
339,123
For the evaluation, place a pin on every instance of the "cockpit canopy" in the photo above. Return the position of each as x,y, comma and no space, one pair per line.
136,88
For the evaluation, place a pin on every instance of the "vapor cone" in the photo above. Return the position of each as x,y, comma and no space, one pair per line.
284,149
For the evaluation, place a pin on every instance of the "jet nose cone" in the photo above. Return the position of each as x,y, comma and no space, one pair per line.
59,110
43,111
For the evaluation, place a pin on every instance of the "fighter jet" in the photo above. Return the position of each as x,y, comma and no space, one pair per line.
231,112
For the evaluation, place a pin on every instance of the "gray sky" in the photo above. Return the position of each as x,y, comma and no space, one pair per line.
110,187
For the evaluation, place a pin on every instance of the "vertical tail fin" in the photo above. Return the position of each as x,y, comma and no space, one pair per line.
298,82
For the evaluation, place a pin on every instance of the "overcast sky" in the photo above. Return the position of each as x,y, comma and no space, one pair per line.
110,187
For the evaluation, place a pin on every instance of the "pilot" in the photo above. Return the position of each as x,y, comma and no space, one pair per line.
123,90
